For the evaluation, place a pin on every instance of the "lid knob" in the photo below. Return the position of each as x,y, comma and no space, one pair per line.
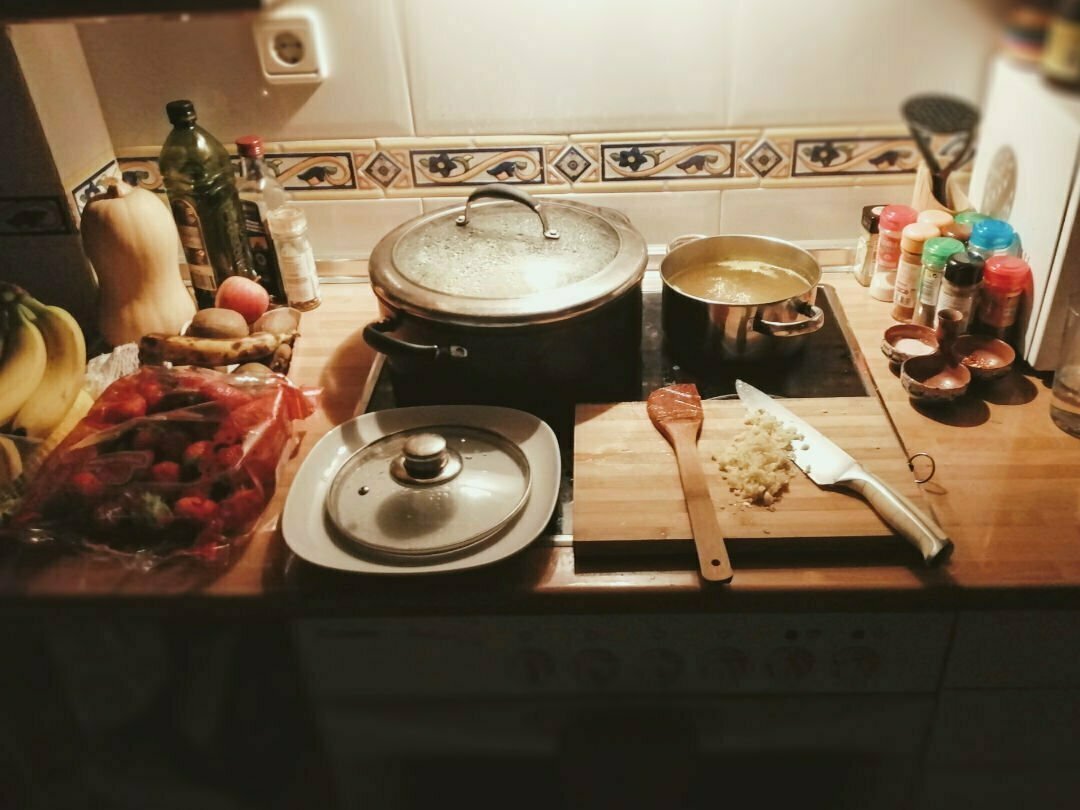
425,459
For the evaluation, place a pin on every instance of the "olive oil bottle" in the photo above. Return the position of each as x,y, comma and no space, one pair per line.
201,186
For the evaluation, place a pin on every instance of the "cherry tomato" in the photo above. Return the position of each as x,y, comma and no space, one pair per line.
165,472
121,409
87,485
195,508
197,451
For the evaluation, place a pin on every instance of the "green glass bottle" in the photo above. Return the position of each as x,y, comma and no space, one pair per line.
201,185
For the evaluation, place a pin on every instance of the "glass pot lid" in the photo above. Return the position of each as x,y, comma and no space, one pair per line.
513,260
429,490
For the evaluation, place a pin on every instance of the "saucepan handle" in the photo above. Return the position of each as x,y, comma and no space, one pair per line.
813,321
502,191
914,526
375,335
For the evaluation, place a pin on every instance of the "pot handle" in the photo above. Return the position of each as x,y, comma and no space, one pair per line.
375,336
815,317
502,191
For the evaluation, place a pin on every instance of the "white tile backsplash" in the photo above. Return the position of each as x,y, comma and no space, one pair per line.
351,228
846,61
803,214
660,216
488,66
139,65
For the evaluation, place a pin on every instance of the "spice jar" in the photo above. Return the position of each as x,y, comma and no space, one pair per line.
936,253
993,237
1004,280
936,217
289,228
866,247
963,273
912,239
969,218
893,220
957,230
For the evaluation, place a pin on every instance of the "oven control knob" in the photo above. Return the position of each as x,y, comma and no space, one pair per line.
724,666
855,666
660,667
531,667
789,664
596,667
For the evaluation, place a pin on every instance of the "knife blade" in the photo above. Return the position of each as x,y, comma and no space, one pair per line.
826,464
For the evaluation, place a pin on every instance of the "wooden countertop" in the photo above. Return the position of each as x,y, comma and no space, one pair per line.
1007,489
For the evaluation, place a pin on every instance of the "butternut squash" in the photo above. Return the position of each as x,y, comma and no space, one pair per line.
131,241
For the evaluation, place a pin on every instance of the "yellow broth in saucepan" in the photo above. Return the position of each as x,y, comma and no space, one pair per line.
739,281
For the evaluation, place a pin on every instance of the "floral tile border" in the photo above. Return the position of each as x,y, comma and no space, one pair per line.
34,216
94,184
627,161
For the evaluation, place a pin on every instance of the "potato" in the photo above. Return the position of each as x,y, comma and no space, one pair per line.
278,321
216,322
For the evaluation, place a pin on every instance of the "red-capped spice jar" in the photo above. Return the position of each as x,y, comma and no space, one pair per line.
891,224
1005,279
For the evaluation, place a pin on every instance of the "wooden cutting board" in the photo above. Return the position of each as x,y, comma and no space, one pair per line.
628,498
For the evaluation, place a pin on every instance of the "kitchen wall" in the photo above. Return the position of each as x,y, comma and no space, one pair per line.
776,116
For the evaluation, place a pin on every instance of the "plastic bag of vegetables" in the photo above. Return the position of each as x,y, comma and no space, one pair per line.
169,462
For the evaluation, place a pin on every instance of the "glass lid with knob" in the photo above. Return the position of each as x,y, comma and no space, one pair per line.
513,258
429,491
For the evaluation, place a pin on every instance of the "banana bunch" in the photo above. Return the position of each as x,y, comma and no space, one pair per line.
42,363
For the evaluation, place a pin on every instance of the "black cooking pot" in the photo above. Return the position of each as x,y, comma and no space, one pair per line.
511,303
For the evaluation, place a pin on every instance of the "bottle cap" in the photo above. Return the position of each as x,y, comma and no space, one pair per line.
1006,273
870,216
919,232
287,220
249,146
957,230
963,269
936,217
895,217
970,217
992,235
937,251
180,111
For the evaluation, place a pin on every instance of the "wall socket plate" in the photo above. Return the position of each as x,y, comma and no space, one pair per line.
290,50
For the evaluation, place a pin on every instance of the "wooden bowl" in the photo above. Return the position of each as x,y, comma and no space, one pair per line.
907,340
985,357
932,379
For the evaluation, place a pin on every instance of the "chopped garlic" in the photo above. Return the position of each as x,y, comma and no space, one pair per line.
757,464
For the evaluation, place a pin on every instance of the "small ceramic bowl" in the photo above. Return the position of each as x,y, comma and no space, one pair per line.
931,379
907,340
985,357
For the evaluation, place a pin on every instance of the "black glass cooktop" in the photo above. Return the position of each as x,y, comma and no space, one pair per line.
825,365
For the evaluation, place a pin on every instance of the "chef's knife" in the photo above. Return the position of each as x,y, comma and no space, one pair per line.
827,465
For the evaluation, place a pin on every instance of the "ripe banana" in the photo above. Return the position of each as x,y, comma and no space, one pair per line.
185,350
32,463
65,370
23,364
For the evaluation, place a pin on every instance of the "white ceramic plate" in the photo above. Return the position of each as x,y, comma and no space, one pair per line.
307,529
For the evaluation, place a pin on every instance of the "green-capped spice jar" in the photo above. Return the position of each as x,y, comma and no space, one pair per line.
936,252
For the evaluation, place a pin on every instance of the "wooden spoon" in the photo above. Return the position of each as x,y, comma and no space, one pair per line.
676,412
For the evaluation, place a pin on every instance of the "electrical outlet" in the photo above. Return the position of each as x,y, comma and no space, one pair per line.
290,50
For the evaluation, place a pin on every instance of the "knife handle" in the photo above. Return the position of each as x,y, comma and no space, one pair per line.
916,527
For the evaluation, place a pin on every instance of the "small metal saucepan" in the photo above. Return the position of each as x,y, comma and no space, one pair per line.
700,331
